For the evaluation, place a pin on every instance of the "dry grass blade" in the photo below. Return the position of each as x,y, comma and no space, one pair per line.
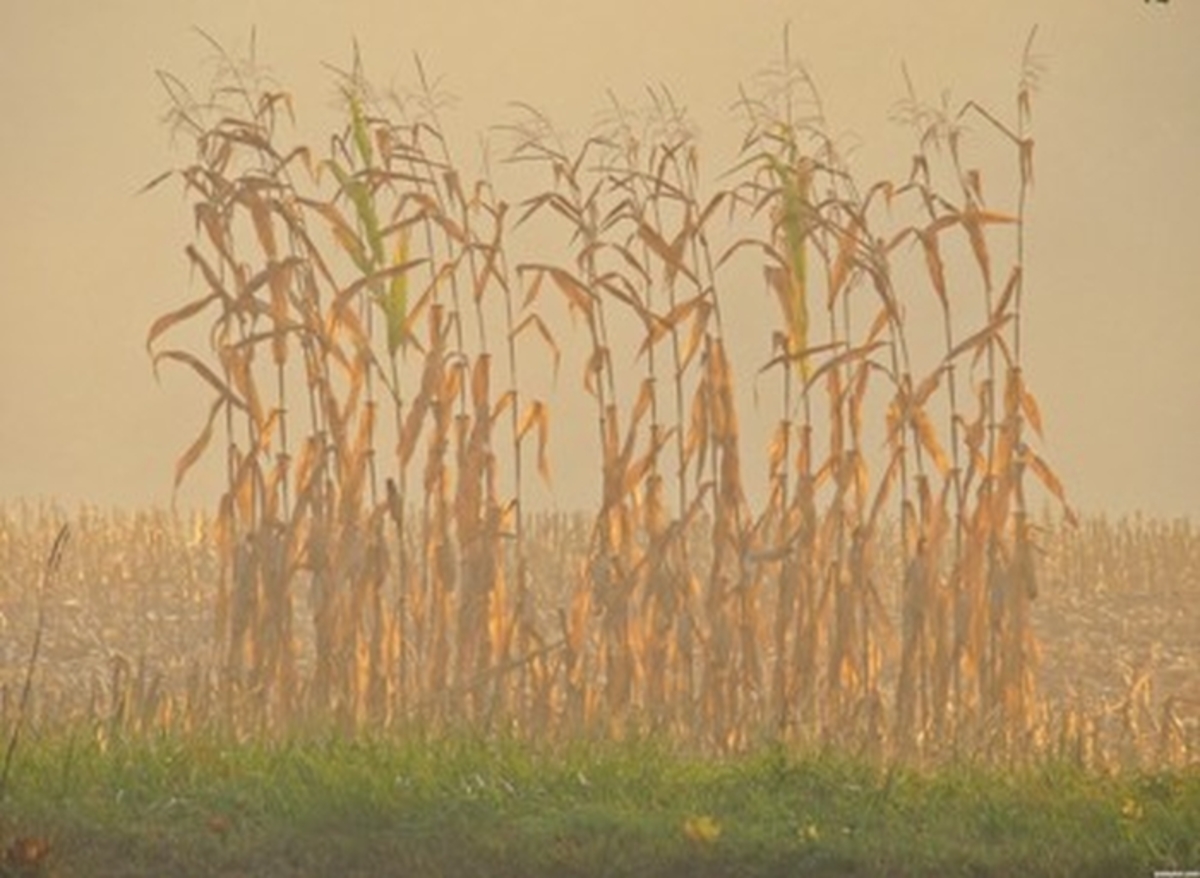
53,560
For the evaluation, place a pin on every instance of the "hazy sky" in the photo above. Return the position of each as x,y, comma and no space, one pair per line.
85,266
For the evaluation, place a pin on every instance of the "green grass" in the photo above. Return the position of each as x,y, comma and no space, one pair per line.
323,806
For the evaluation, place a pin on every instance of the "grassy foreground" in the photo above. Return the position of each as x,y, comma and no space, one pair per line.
328,806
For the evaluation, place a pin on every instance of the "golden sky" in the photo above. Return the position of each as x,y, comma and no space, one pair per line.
86,266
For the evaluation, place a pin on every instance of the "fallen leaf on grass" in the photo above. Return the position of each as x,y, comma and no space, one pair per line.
26,854
702,830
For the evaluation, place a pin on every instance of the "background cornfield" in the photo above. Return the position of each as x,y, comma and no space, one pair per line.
130,648
369,337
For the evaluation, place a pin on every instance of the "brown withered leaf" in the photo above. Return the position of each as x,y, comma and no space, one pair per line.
929,440
660,326
858,353
843,263
260,215
671,254
577,294
708,210
204,372
534,320
974,220
207,217
1033,412
978,340
1050,479
878,324
210,275
1010,289
537,414
933,263
26,854
638,469
699,328
506,400
165,322
777,451
642,404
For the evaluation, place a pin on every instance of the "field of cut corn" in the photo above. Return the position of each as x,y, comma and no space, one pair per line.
129,645
371,337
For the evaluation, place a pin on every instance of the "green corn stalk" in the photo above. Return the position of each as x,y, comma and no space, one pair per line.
364,207
796,222
358,126
394,300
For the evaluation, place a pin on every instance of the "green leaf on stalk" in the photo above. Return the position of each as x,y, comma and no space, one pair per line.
360,197
795,220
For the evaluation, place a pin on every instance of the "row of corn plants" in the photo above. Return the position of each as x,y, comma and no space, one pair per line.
367,330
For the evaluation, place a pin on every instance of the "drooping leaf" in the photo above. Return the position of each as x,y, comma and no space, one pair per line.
165,322
537,414
534,320
189,457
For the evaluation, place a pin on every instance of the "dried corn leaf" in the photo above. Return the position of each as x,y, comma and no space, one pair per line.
165,322
843,263
1047,477
1010,289
974,220
878,324
210,276
933,263
1033,412
777,450
534,320
660,326
929,441
576,292
204,372
189,457
536,414
842,359
208,218
671,254
260,215
642,404
637,470
979,340
698,333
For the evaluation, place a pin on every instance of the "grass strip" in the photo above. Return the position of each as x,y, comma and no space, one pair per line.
324,805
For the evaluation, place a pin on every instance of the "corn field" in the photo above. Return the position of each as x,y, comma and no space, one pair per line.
368,340
130,648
